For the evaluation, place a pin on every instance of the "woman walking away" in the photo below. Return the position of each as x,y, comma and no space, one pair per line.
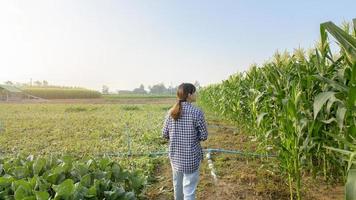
185,127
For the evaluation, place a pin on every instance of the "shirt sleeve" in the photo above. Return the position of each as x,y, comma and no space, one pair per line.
201,127
165,130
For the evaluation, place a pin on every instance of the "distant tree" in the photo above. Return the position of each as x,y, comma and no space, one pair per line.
172,90
124,92
9,83
140,90
105,89
158,89
38,83
45,83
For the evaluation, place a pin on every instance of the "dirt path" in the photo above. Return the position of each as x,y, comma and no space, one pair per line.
239,177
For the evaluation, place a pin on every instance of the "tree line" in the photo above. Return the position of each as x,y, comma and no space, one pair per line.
159,88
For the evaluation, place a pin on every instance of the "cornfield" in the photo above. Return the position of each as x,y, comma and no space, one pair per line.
300,106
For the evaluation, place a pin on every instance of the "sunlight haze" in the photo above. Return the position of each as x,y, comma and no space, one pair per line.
125,43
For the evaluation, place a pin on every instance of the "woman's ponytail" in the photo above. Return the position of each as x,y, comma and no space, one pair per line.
176,110
182,94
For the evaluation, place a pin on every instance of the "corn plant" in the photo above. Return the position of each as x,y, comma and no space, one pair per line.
296,104
343,91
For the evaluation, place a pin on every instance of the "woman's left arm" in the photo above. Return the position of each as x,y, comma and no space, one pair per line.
201,127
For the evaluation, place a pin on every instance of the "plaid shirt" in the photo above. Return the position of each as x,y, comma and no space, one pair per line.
184,137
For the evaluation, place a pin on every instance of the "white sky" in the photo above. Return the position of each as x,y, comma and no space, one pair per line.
125,43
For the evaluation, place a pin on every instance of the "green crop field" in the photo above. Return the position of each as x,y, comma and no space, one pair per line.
77,131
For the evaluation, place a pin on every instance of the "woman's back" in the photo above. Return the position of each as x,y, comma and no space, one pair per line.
184,137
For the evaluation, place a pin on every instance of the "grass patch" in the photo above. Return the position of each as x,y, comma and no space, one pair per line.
130,108
76,109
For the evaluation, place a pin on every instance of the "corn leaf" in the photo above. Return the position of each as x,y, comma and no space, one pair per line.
350,187
340,115
320,100
347,42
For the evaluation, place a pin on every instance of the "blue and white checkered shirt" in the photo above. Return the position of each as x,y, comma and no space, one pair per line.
184,137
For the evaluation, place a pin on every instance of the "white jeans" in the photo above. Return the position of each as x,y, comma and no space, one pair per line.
185,185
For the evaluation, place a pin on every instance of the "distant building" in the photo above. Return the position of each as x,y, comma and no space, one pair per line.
12,93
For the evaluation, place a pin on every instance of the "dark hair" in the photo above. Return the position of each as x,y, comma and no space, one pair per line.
183,91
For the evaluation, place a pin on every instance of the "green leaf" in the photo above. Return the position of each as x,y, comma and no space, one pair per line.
5,193
42,184
103,163
41,195
38,165
320,100
341,139
65,189
352,130
136,181
82,169
21,183
258,97
59,169
91,164
331,101
350,186
345,152
52,178
6,181
20,172
21,192
79,191
352,94
347,42
67,163
100,174
324,43
329,120
130,196
116,170
116,193
351,159
32,181
86,180
30,198
332,83
91,192
260,117
340,115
